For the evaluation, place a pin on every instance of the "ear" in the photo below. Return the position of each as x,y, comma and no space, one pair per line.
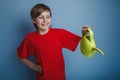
33,20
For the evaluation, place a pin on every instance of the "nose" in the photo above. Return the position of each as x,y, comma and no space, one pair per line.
45,20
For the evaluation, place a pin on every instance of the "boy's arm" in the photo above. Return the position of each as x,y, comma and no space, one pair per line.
30,64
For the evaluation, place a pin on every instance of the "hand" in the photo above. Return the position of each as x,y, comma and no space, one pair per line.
84,30
37,68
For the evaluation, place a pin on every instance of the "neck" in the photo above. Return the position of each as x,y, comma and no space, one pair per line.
43,32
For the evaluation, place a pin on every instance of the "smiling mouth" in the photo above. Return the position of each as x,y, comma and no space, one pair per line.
45,24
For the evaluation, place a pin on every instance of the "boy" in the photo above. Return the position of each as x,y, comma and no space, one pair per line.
46,44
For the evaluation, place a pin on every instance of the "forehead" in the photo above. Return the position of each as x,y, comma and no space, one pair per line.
45,13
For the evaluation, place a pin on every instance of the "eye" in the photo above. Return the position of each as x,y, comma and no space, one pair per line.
48,17
40,17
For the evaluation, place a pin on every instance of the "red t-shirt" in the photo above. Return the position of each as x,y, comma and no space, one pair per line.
47,50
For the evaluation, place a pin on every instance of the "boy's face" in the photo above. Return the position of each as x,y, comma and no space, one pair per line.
43,21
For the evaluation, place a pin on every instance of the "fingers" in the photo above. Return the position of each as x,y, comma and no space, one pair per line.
86,26
84,29
40,69
37,68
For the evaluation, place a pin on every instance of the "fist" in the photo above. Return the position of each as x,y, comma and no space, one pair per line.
84,30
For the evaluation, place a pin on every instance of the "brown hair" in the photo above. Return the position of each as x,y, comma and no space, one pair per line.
37,10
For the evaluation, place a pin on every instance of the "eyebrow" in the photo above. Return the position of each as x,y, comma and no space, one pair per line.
45,15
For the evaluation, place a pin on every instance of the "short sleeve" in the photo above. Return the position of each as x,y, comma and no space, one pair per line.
25,48
70,40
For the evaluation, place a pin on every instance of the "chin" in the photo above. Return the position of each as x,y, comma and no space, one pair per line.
45,28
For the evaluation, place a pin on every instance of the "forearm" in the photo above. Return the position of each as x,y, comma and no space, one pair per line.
30,64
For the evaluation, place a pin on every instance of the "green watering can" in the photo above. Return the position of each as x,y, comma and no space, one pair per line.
88,45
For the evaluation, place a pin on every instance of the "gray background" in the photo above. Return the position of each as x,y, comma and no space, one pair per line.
102,15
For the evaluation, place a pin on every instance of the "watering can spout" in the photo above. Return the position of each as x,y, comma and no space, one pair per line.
100,51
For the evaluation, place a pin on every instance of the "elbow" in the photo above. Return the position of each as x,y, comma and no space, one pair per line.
17,54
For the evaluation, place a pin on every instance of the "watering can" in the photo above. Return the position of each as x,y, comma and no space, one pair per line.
88,45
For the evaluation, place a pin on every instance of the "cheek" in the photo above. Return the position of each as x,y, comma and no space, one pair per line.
49,20
39,21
